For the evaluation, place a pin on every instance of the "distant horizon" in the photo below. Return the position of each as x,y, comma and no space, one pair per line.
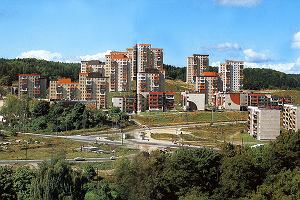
265,34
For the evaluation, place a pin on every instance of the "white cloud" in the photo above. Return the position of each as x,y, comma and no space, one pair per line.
283,67
226,46
296,40
240,3
97,56
41,54
255,57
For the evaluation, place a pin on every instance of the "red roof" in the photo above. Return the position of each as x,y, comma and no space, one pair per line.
210,74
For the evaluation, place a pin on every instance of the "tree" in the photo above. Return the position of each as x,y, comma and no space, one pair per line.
40,108
56,180
240,175
103,191
7,190
187,168
89,172
283,153
22,182
285,185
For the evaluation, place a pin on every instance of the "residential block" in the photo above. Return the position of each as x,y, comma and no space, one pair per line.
263,124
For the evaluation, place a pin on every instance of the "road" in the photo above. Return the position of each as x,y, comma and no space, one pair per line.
10,162
147,143
137,142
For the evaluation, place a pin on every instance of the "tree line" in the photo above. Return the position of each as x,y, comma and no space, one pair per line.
254,78
10,68
24,114
269,172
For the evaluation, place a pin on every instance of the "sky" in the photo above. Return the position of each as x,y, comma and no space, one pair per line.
264,33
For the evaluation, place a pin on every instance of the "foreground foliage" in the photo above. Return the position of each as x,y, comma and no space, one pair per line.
271,172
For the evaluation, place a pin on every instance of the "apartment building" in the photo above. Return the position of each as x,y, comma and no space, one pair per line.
152,80
117,68
132,55
92,66
231,73
209,84
64,89
157,58
195,66
94,87
125,103
193,101
263,124
32,86
161,101
291,117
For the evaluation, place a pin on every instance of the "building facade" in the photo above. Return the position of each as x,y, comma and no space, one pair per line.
125,103
263,124
291,117
193,101
196,65
152,80
94,87
92,66
32,86
231,73
117,67
232,101
209,84
64,89
161,101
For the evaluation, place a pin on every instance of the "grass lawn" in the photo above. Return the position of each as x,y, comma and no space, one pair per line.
174,118
212,136
45,148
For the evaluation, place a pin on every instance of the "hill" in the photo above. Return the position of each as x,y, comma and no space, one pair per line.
10,68
254,78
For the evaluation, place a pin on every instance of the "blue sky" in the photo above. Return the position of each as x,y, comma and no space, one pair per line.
265,33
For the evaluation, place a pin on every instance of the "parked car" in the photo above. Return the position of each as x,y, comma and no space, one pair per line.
113,158
79,159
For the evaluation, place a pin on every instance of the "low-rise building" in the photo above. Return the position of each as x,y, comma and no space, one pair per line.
125,103
193,101
291,117
232,101
161,101
263,124
32,86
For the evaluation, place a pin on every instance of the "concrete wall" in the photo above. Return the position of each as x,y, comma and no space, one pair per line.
268,124
196,99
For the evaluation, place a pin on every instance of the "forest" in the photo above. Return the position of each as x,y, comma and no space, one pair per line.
268,172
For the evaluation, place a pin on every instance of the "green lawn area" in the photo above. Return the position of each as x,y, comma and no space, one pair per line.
174,118
45,148
211,136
